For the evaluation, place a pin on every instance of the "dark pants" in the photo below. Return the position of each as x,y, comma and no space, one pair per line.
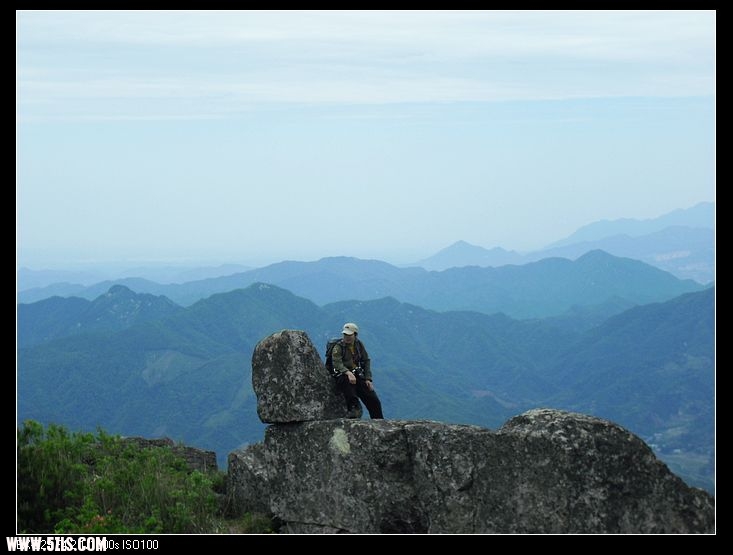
359,390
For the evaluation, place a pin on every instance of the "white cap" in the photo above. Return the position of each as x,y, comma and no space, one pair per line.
350,329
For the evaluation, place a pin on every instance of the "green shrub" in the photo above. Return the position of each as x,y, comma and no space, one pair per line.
82,483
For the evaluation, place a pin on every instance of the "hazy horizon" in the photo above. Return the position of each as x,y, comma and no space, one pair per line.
121,263
252,137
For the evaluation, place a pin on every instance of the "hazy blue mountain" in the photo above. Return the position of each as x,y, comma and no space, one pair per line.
61,280
462,253
179,274
117,309
49,319
700,215
685,252
339,275
61,289
579,319
187,374
549,287
329,279
91,292
651,369
660,342
680,242
545,288
33,279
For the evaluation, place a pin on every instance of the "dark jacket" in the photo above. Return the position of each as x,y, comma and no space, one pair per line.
343,360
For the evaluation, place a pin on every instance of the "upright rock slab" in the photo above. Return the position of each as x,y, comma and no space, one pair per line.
291,382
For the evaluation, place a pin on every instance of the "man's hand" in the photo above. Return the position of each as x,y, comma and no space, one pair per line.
350,375
370,385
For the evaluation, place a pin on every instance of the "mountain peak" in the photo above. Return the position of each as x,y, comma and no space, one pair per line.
462,253
461,244
120,306
702,215
118,290
596,255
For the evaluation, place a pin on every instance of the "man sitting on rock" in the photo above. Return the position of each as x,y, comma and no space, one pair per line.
354,373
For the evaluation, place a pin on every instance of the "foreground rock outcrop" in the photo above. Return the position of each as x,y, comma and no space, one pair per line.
545,471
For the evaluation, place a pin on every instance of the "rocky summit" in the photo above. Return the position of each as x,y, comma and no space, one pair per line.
544,471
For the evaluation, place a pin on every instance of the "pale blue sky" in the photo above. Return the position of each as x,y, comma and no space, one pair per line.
253,137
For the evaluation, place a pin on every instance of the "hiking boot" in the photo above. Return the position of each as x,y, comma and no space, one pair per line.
353,413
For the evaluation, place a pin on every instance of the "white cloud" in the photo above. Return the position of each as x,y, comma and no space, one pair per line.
610,34
231,60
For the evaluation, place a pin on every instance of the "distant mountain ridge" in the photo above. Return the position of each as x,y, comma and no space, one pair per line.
37,279
90,292
115,310
684,325
187,374
539,289
681,242
462,253
688,253
701,215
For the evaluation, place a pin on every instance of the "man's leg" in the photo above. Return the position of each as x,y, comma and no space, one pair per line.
350,393
370,399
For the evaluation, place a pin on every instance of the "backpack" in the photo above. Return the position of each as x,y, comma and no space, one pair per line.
329,358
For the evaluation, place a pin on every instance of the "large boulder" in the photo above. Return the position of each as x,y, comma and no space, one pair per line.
291,382
545,471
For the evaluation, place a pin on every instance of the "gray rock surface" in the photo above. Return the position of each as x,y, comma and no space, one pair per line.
291,382
545,471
